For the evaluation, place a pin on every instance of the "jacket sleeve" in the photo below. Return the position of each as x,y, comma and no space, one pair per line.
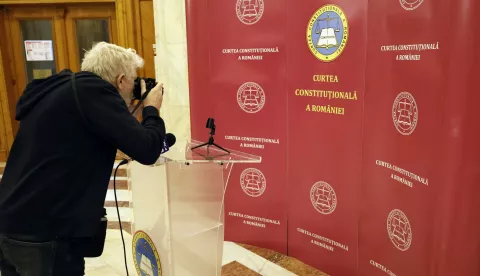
107,114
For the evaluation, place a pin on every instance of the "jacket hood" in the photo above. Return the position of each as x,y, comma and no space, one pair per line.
37,90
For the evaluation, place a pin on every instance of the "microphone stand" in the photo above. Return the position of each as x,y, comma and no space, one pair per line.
211,142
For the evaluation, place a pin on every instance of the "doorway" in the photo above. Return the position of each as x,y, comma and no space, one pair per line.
42,40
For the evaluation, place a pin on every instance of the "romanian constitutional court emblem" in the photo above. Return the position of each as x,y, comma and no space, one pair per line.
250,11
251,97
399,230
327,33
253,182
410,4
145,255
323,198
405,113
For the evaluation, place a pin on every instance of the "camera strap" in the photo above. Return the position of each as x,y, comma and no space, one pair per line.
75,93
140,102
137,106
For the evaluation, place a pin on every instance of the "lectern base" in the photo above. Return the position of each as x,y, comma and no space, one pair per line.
178,211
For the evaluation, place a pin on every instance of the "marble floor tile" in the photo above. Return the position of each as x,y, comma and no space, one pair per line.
93,263
104,271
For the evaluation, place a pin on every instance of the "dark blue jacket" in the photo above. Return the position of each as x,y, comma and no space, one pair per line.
57,173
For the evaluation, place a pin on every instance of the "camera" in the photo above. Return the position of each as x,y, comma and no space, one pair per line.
137,90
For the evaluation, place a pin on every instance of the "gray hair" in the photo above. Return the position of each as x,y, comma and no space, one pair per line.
109,61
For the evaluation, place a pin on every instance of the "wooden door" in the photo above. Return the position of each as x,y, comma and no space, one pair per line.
38,41
86,25
36,44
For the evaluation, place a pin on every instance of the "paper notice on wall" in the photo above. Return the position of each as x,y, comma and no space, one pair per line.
39,50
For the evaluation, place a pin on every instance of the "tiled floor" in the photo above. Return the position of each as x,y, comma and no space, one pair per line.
238,260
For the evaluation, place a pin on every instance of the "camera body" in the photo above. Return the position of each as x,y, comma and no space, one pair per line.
137,90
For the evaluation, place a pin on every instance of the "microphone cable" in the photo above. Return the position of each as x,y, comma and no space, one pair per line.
124,161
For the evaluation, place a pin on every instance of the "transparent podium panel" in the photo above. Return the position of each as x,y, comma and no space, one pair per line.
186,151
178,210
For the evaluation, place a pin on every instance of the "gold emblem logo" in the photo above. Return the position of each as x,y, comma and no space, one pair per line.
327,33
145,255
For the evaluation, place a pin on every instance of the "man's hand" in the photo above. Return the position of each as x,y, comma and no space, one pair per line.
155,97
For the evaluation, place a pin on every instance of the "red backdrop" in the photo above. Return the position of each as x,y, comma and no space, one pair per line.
365,115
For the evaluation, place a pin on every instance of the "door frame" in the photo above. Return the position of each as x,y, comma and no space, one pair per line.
126,37
7,91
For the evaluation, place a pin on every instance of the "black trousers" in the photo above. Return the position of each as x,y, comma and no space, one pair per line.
28,256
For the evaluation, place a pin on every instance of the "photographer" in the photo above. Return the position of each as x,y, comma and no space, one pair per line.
56,178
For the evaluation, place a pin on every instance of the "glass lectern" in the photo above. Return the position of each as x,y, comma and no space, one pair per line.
178,209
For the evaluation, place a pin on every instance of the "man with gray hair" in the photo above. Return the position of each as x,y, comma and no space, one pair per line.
53,189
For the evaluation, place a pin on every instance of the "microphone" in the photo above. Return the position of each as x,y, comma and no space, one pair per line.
169,141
